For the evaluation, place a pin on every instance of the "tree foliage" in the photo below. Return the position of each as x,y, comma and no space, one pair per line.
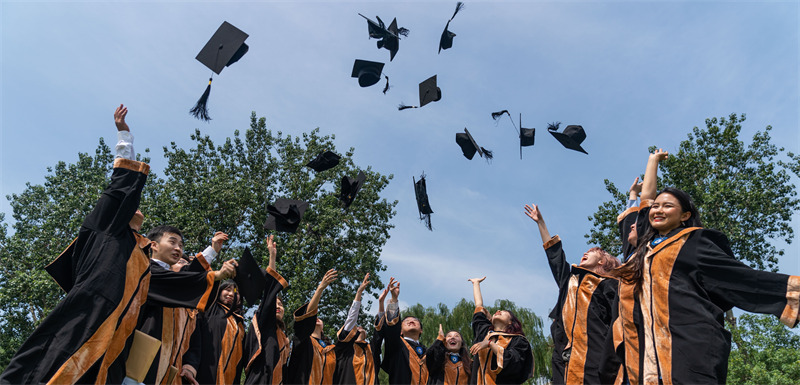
743,190
765,352
459,318
204,189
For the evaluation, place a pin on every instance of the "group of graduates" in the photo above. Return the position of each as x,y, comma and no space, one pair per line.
137,310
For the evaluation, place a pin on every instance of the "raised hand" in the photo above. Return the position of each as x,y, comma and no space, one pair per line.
273,251
330,276
394,288
119,118
636,187
533,212
217,241
476,281
659,155
228,270
441,331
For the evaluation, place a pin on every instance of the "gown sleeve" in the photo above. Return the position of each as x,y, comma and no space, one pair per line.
434,358
558,261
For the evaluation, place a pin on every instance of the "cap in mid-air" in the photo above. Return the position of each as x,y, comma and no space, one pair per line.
421,193
285,215
446,41
571,137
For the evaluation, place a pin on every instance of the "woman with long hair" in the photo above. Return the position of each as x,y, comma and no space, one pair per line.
502,354
675,289
448,359
583,314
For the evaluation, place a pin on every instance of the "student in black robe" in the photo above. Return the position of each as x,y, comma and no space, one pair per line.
313,359
448,359
582,315
404,356
679,283
105,273
501,353
164,316
215,350
358,361
266,347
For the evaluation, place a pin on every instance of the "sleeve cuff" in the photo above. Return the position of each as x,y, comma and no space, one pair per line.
278,277
555,239
791,313
209,253
132,165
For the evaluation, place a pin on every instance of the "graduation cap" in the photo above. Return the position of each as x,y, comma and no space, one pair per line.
428,92
446,41
469,147
367,72
350,187
421,193
285,215
250,277
389,37
571,137
527,136
225,48
324,161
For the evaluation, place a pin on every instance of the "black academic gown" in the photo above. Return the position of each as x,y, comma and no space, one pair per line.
445,368
105,273
404,360
581,318
312,362
266,345
357,363
673,329
514,366
216,347
166,314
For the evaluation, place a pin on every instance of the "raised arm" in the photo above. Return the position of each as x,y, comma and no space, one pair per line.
634,191
355,308
329,277
124,147
273,251
650,182
476,291
534,213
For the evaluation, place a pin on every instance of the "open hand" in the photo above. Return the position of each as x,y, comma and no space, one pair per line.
476,281
119,118
533,212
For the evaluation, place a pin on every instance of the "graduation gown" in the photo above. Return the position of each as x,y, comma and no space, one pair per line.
582,318
443,367
216,346
166,315
673,329
105,274
357,363
404,360
266,345
513,366
311,361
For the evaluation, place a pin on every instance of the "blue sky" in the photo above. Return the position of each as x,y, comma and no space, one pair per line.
633,74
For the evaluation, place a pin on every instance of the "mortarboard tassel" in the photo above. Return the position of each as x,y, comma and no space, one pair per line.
402,107
488,154
499,114
553,126
426,218
386,88
459,6
200,110
403,31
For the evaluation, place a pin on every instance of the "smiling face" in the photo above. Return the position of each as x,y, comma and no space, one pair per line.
666,213
279,309
168,249
591,259
633,236
501,317
227,295
453,341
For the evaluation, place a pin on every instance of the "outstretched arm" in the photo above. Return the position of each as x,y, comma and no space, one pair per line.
273,251
634,191
534,213
352,315
329,277
124,147
650,182
476,291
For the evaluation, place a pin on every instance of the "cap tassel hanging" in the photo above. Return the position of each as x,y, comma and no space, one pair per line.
200,110
386,88
487,154
402,107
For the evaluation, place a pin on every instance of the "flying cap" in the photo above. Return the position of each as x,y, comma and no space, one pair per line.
350,187
571,137
225,48
527,136
389,37
421,193
324,161
367,72
429,92
469,147
446,41
285,215
250,277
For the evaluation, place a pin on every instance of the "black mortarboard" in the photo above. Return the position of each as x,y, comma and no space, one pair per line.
446,41
285,215
527,136
250,277
389,37
225,48
429,92
367,72
469,147
350,187
421,193
571,138
324,161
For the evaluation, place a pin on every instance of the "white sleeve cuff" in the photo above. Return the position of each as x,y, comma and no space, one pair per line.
209,254
124,145
352,316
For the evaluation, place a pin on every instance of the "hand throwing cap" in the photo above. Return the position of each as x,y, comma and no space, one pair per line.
324,161
429,92
285,215
250,278
571,138
367,72
350,187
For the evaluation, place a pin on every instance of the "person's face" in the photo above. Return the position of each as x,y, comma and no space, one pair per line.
411,325
591,260
453,342
319,325
666,213
502,316
136,221
227,296
633,236
168,249
362,334
279,309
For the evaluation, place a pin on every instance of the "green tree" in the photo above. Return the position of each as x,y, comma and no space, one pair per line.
764,352
459,318
744,190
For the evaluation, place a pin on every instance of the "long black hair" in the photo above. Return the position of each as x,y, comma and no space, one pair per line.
236,305
632,271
